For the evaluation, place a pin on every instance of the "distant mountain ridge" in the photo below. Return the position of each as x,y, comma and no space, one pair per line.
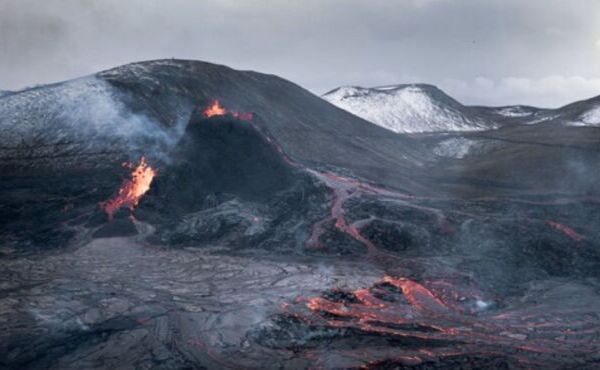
580,113
411,108
423,108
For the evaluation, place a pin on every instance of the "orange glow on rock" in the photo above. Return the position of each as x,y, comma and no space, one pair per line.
214,110
566,230
416,294
132,190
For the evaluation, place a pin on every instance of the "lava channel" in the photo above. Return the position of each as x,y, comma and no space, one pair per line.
132,189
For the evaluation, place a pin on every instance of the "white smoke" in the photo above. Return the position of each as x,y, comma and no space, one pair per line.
86,115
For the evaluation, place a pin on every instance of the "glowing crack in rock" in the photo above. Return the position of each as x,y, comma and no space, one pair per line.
434,328
132,189
574,235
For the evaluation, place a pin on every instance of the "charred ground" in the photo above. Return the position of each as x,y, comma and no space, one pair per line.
300,237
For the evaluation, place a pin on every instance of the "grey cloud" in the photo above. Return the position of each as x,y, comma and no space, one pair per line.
316,43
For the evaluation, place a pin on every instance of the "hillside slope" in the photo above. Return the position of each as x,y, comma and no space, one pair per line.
408,108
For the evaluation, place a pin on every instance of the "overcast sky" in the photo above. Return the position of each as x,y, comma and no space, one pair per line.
540,52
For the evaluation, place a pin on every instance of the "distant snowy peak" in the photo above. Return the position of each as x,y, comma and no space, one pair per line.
580,113
583,114
407,108
592,116
515,111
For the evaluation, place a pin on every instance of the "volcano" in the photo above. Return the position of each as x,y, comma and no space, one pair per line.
178,214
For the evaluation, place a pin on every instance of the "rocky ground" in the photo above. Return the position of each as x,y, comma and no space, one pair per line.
286,233
119,302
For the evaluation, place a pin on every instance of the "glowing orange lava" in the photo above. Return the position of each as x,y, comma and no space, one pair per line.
215,109
416,294
132,190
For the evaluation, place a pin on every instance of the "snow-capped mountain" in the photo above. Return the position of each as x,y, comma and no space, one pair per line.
582,113
409,108
591,117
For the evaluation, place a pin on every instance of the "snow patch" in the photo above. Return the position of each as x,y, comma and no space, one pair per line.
591,117
456,147
541,119
406,108
516,111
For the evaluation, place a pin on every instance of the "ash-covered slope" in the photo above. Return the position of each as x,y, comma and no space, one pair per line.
74,126
511,114
581,113
542,159
515,111
408,108
308,129
142,108
93,124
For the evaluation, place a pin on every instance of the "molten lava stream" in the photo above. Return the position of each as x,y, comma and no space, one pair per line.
424,316
344,188
132,189
574,235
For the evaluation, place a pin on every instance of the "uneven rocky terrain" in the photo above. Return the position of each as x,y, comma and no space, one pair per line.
255,225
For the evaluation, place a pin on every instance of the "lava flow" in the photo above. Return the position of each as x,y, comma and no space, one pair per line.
215,109
132,190
400,310
574,235
344,188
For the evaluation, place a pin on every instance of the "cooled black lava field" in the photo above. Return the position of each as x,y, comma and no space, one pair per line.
256,226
